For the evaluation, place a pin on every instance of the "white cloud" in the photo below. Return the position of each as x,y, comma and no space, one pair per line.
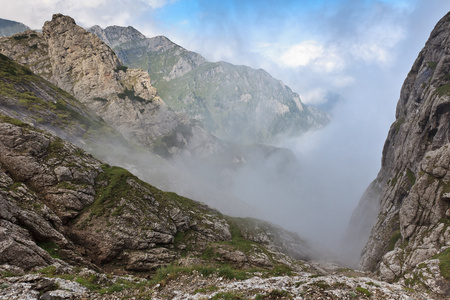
85,12
302,54
313,54
314,97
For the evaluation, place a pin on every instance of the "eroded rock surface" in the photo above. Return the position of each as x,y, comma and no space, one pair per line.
411,191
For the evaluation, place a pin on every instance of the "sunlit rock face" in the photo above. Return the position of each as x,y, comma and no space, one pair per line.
80,63
411,193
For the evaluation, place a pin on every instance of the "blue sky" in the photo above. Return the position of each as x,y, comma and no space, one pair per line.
357,51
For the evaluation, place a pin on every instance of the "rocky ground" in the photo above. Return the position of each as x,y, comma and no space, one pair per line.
204,283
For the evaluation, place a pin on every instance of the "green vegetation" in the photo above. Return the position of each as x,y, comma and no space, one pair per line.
51,248
227,296
393,240
411,177
432,65
108,196
171,272
20,37
121,68
211,288
444,263
94,283
443,90
274,294
363,291
320,284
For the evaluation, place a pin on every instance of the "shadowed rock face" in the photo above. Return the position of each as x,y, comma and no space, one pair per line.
80,63
412,189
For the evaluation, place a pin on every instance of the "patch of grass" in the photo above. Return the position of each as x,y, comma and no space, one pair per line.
112,193
393,240
51,248
13,121
3,286
411,177
320,284
432,65
90,282
274,294
227,296
363,291
444,263
49,271
4,274
208,289
443,90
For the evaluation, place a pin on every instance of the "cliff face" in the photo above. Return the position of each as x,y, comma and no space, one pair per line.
412,190
80,63
236,103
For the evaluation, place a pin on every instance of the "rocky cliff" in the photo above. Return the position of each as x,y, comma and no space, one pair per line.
236,103
410,199
80,63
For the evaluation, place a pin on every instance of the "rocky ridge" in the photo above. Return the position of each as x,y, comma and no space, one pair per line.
80,63
236,103
410,197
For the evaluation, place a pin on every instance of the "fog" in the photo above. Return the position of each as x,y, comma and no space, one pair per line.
357,51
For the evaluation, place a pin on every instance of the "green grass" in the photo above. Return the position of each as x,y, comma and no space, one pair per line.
51,248
432,65
443,90
363,291
227,296
411,177
393,240
444,263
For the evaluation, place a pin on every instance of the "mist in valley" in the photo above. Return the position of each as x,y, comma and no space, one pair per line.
358,51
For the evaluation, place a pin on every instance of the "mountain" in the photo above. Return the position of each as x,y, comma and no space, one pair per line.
8,28
408,204
236,103
81,64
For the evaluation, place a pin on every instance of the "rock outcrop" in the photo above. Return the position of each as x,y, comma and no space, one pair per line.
411,192
236,103
58,198
80,63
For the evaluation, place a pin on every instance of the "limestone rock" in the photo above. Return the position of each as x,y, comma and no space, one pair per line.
79,62
412,221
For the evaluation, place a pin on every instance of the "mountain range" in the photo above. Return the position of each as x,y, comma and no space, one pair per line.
74,226
235,103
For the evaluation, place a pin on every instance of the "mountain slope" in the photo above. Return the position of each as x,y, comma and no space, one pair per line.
8,28
412,190
78,62
236,103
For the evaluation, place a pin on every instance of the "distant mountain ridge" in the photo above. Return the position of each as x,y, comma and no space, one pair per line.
236,103
8,27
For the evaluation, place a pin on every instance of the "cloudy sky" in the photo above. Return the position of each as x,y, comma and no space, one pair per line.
355,52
